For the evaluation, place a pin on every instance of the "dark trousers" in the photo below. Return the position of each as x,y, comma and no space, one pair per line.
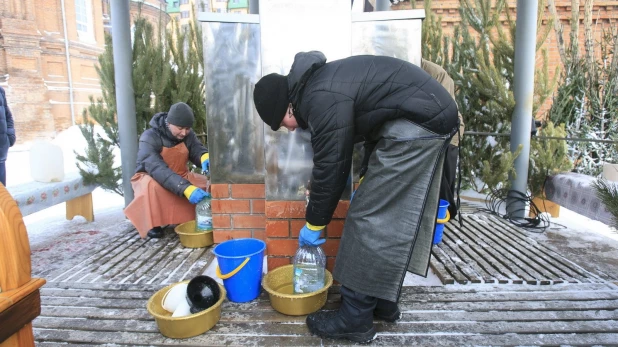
357,308
449,174
3,173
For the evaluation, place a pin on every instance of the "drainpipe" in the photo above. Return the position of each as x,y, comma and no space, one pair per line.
66,49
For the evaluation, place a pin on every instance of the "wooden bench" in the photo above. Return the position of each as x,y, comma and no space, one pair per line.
575,192
20,300
32,197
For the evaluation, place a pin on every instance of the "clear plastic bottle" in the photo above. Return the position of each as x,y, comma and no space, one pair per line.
309,263
203,215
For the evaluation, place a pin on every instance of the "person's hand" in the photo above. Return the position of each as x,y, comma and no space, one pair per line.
310,236
198,195
206,163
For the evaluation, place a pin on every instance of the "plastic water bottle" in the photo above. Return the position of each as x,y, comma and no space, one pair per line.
203,215
309,263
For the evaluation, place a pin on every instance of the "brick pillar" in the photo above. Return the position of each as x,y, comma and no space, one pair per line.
238,211
284,219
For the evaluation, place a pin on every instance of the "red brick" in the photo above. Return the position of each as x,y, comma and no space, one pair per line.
277,228
220,191
335,228
231,206
275,262
284,247
251,191
285,209
259,234
221,221
331,246
295,226
342,209
330,263
258,206
224,235
249,221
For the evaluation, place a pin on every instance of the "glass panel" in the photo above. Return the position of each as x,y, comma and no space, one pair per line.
289,27
235,130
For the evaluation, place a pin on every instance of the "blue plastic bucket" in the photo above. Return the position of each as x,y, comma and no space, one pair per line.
240,267
443,218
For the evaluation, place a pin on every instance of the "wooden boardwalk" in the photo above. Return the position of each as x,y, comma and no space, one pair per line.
100,298
488,249
573,314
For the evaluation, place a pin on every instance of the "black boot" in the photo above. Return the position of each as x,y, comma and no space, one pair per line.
155,233
387,311
353,320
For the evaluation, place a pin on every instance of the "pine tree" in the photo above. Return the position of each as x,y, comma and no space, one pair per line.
482,66
587,99
167,68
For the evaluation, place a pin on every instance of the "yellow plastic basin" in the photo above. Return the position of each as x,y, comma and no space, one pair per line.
187,326
279,285
192,239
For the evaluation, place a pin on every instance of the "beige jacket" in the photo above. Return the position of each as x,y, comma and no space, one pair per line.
436,71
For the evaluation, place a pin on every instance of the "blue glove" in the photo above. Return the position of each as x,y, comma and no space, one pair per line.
308,237
198,195
206,163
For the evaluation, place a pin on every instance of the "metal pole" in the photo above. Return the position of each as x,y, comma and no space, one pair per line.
125,101
382,5
523,90
254,7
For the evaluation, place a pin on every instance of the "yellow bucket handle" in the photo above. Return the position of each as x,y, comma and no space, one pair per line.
445,219
234,272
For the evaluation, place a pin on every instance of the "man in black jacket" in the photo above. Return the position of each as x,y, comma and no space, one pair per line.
7,134
406,119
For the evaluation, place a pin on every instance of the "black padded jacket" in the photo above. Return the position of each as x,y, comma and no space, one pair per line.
149,157
343,101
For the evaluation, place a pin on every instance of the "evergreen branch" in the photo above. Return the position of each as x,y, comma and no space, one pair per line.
608,193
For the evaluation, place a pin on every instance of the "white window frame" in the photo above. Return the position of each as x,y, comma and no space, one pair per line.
83,20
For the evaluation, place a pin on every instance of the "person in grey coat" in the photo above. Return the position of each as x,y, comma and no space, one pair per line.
406,119
164,188
7,134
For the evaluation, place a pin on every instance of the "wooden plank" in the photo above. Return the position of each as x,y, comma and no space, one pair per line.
132,262
149,269
98,250
175,262
19,314
198,261
487,272
509,296
94,313
156,339
103,294
512,305
440,271
501,254
449,265
113,261
493,264
530,259
494,316
450,250
494,340
86,267
577,327
547,253
80,206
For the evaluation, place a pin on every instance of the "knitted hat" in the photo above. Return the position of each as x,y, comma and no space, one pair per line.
180,115
270,97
